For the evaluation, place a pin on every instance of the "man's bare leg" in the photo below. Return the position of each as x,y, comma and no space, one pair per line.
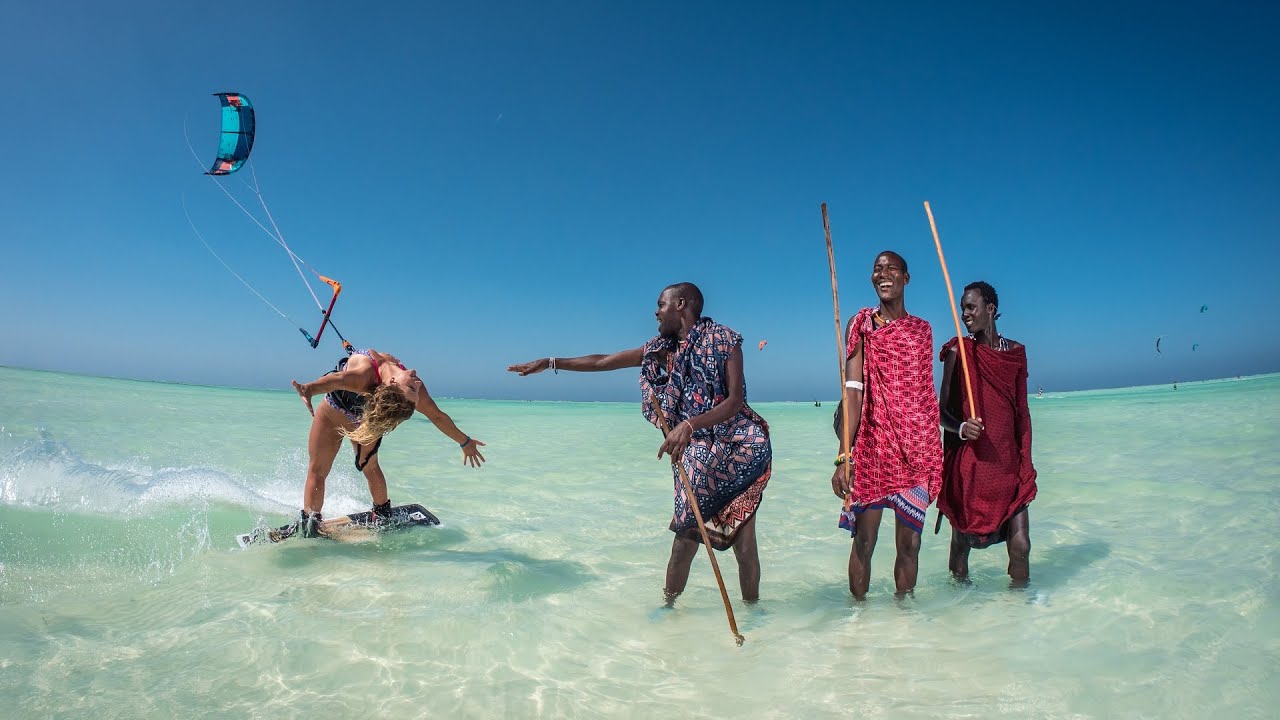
907,566
748,555
958,563
683,551
1019,543
864,544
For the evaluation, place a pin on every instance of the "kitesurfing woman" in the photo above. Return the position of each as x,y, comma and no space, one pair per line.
366,397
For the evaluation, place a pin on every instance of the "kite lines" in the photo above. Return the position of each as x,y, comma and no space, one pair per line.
239,126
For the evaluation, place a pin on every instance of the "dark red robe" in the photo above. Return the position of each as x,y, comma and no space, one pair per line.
986,481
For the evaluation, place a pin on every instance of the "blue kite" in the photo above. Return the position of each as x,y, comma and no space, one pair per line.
238,126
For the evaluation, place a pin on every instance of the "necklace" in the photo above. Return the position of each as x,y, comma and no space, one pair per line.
1001,343
880,319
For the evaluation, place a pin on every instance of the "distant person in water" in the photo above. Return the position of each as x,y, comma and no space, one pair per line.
693,367
894,444
988,478
1040,392
365,397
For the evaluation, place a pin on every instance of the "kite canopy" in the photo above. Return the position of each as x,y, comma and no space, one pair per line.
1204,308
237,133
763,343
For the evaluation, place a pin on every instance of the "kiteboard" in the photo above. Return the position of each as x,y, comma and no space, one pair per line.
348,527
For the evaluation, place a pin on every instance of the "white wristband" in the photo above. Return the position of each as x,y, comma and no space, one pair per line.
960,430
853,384
552,362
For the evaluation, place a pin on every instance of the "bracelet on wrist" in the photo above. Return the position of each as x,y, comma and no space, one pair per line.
465,443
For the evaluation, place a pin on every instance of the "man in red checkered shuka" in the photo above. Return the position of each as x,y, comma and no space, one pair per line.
893,444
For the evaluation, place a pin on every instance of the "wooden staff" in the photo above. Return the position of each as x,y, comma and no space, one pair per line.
840,342
702,528
964,359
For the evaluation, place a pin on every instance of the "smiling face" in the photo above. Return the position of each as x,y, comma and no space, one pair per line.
406,380
978,315
889,277
670,305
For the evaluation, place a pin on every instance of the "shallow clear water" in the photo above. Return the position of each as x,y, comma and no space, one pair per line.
1154,588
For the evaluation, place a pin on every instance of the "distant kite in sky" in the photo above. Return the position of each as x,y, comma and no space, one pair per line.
238,127
1204,308
763,343
1193,347
1158,343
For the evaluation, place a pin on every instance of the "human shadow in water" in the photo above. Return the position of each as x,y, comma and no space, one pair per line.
515,576
1058,564
511,575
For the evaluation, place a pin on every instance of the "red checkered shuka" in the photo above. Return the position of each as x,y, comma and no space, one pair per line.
899,444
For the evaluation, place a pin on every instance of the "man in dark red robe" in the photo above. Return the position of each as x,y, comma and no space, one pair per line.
987,479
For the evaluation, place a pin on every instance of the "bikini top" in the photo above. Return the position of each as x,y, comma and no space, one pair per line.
368,352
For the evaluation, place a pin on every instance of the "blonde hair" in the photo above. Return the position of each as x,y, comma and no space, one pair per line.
384,408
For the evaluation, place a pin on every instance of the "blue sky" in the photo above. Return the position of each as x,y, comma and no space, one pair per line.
494,182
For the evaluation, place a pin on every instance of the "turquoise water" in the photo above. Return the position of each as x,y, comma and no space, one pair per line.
1154,588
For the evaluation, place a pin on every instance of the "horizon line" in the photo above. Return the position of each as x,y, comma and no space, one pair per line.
1030,393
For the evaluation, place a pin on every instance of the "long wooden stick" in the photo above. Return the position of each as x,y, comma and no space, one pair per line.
964,360
702,528
840,342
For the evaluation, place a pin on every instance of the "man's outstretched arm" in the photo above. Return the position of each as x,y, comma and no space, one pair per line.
584,363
